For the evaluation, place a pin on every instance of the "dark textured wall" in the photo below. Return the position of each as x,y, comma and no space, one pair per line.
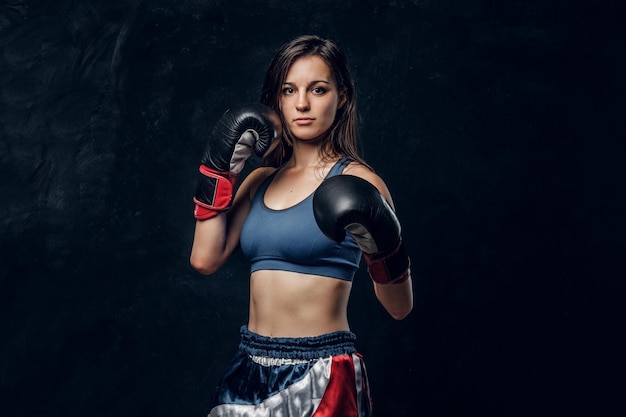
493,123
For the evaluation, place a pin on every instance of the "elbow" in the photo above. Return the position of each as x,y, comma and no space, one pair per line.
400,314
400,310
203,266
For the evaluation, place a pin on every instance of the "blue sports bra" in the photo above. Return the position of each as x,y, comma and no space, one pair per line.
290,240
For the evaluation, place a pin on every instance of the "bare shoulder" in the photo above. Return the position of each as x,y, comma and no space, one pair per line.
259,174
252,182
362,171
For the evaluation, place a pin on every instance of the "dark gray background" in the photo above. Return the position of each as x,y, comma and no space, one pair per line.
495,125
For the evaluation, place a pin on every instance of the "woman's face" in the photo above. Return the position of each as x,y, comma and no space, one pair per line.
309,98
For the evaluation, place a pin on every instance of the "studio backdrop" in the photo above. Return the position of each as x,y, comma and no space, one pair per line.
475,113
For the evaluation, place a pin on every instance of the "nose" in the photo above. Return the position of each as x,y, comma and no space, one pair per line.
303,102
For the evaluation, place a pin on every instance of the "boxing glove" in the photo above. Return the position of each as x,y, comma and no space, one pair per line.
230,144
348,203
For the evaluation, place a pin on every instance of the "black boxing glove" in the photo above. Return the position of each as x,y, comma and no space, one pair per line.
236,134
347,202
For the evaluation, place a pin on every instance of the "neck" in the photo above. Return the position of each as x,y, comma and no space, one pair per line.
305,155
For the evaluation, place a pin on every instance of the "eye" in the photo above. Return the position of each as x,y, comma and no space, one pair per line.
319,90
287,90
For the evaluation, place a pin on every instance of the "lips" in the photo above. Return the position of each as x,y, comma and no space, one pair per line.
302,121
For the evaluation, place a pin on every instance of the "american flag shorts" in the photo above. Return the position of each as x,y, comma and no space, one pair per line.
320,376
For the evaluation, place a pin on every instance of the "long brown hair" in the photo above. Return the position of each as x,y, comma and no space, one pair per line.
341,138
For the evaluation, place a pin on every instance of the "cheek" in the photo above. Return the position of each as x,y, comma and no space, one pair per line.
331,111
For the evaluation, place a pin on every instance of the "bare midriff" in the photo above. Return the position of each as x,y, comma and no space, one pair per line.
290,304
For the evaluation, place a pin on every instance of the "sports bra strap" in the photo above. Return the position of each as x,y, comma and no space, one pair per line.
338,167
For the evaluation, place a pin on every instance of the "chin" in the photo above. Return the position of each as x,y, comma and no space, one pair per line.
317,137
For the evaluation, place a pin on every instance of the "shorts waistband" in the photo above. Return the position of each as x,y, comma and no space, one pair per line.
336,343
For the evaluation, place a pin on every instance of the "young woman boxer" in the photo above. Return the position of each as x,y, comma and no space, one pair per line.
304,220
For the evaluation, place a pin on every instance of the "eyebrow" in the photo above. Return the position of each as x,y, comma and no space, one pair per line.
309,84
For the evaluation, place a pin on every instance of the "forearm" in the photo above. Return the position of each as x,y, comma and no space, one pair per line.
209,250
397,299
215,239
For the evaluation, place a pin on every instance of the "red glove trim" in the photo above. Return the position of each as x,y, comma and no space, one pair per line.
389,267
214,192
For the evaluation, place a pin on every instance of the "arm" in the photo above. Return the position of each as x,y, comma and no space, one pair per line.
397,298
219,216
216,238
361,204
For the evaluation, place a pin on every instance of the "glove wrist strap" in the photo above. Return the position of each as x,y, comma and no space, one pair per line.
389,267
214,192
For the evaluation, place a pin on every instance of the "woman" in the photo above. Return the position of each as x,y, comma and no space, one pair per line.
297,354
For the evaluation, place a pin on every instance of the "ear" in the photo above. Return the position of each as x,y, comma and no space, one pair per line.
343,98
